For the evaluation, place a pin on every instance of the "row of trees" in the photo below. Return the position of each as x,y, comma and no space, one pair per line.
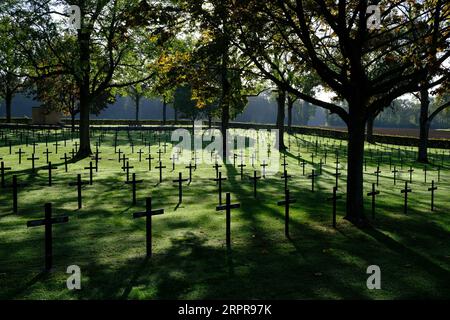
220,52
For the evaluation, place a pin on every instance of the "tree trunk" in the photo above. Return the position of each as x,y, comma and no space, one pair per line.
424,126
8,104
281,102
164,110
225,106
85,96
72,121
137,100
290,107
369,135
355,160
224,128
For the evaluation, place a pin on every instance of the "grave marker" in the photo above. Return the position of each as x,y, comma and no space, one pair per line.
312,177
373,194
2,171
133,183
286,202
50,168
227,207
334,198
148,213
219,181
79,185
180,181
160,167
20,153
406,191
432,189
48,222
254,178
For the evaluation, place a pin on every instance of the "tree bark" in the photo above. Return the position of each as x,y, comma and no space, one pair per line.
281,103
224,128
355,160
290,106
164,110
369,134
72,121
8,104
85,96
424,126
226,88
137,100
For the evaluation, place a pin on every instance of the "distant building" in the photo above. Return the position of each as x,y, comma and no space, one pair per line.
42,116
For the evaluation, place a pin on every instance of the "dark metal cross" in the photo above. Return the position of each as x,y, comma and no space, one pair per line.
174,159
395,171
20,153
124,161
285,176
50,168
373,194
134,183
432,189
216,166
312,177
255,178
65,161
33,159
165,146
253,157
160,167
378,174
140,152
219,180
127,170
411,170
264,165
227,207
56,144
334,198
2,171
303,166
180,181
159,154
48,222
241,166
15,190
406,191
195,158
190,167
79,184
425,173
284,162
96,158
150,158
91,172
148,213
286,202
34,144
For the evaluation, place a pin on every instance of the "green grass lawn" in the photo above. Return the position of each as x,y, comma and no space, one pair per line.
190,258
